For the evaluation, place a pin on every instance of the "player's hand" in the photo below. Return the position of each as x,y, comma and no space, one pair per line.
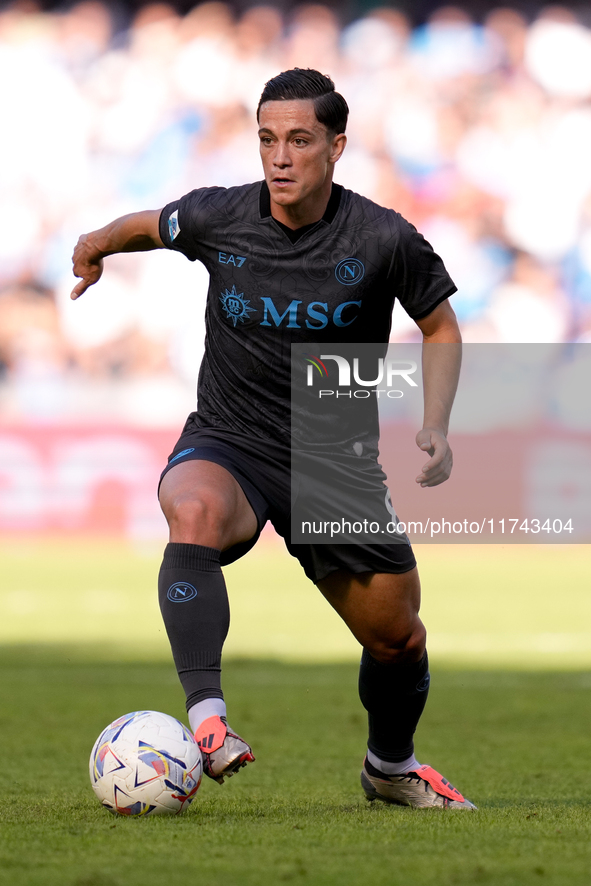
439,466
87,263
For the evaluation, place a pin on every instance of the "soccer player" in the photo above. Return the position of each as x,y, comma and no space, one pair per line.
272,249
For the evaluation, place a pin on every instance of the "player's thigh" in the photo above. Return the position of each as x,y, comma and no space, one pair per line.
380,609
204,504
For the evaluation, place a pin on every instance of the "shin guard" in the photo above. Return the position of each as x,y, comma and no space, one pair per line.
394,696
194,605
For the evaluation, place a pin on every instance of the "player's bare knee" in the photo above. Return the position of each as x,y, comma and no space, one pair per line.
400,647
194,514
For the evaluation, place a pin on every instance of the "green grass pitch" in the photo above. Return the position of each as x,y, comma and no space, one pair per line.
513,606
511,732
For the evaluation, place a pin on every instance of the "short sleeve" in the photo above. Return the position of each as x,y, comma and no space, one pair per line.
183,223
420,279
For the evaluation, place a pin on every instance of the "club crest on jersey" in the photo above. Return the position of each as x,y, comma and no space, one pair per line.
350,271
174,228
236,306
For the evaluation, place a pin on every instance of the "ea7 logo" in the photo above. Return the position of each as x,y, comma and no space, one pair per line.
226,258
386,370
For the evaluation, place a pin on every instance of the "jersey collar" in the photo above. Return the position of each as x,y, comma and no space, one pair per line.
331,209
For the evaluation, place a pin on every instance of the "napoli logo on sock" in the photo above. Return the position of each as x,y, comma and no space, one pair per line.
424,684
180,592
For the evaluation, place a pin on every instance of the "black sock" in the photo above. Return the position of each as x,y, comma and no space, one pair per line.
394,696
194,605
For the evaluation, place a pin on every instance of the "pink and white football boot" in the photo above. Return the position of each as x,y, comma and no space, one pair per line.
224,752
422,789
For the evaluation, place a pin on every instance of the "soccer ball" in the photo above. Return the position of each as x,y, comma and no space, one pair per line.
146,763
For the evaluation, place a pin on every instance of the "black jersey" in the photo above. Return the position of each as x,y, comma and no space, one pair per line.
336,282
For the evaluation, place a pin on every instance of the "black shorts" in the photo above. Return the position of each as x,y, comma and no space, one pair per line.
263,470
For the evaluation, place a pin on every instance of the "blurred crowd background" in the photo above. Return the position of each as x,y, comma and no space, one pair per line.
478,132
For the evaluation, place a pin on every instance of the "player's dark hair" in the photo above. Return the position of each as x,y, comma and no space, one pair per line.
330,107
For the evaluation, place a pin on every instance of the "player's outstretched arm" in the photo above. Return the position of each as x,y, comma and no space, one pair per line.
442,356
137,232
